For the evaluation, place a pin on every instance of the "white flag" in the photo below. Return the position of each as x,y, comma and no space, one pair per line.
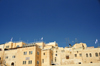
42,38
11,38
96,41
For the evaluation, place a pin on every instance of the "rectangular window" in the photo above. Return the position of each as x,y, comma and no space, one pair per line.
55,54
30,52
55,59
13,56
0,58
43,53
56,51
0,49
99,53
86,55
75,55
67,57
80,55
37,62
42,60
96,54
37,53
6,57
25,53
7,46
30,62
24,62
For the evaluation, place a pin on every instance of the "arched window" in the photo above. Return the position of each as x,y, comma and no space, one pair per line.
90,55
86,55
96,54
12,64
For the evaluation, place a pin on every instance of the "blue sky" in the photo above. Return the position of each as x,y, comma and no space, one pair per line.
54,20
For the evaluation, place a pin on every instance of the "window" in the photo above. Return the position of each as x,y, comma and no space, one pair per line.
56,51
25,53
44,53
24,62
30,62
13,56
12,64
7,46
67,57
30,52
75,55
37,62
99,53
0,58
96,54
6,57
42,60
37,53
55,54
86,55
80,55
91,62
18,46
79,63
0,49
55,59
90,55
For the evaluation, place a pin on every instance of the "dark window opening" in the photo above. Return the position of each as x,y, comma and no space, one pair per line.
30,62
0,58
86,55
44,53
56,51
75,55
55,59
42,60
96,54
67,57
90,55
53,64
0,49
99,53
80,55
56,54
91,62
79,63
24,62
12,64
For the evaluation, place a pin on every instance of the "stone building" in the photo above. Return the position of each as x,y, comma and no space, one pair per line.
46,54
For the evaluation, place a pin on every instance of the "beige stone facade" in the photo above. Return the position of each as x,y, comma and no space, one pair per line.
47,54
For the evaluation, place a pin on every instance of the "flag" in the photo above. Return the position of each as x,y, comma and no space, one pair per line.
42,38
11,38
96,41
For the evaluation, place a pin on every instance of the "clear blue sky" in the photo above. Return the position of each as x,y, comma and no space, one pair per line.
54,20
